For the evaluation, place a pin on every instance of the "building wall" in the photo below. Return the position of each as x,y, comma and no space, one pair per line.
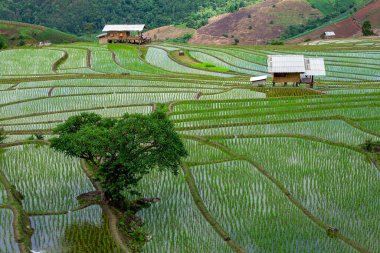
118,35
103,40
286,77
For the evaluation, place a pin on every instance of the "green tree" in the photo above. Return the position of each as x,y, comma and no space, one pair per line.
367,29
121,151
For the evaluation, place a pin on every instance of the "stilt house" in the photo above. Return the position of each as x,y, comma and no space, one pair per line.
123,34
295,68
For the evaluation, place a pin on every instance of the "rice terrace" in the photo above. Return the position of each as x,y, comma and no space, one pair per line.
276,166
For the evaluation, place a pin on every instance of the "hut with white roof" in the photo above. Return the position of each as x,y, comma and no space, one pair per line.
123,34
295,68
328,35
286,68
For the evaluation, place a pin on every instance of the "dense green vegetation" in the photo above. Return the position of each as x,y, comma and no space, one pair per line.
269,169
20,34
90,16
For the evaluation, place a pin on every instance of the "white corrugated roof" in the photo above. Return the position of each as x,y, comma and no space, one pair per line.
315,67
101,35
286,64
330,33
258,78
123,28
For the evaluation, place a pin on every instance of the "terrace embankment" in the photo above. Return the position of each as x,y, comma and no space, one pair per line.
332,232
21,223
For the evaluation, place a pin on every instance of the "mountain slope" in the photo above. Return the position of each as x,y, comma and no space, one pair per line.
348,27
256,24
15,33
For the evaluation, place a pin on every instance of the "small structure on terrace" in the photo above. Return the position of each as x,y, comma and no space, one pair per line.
123,34
328,35
258,80
295,69
286,68
313,67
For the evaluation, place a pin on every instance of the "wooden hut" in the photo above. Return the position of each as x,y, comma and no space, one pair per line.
286,68
313,67
123,34
258,80
102,38
328,35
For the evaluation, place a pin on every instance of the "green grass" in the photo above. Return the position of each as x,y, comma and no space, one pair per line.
209,66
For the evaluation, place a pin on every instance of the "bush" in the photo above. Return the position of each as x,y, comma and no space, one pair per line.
236,40
367,29
225,35
184,39
277,42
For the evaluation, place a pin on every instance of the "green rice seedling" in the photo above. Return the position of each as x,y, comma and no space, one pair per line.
202,57
101,61
336,184
85,230
371,125
7,241
61,116
5,86
256,213
3,195
129,57
175,223
159,58
331,130
58,104
353,91
77,59
10,96
18,61
234,94
48,180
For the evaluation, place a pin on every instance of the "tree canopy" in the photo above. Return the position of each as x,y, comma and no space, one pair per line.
367,29
121,150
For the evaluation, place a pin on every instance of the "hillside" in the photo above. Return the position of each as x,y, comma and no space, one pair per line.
18,34
79,17
168,32
256,24
348,27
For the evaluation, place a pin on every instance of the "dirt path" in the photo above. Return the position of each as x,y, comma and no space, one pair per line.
88,58
50,91
284,190
111,216
21,223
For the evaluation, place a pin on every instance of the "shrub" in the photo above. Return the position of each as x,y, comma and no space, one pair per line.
367,29
236,40
225,35
276,42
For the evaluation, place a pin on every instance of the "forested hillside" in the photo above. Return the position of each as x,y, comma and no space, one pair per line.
83,16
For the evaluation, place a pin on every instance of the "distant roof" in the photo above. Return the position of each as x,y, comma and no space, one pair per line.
330,33
101,35
123,28
315,67
286,64
258,78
